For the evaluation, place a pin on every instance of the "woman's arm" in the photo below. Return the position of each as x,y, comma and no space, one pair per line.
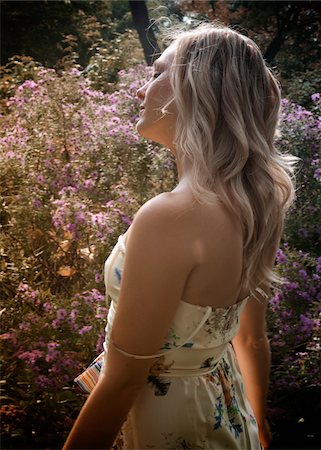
252,348
156,267
102,416
253,354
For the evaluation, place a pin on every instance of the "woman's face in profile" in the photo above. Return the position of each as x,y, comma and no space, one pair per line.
152,123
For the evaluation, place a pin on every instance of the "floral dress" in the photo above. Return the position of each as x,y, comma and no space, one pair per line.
194,396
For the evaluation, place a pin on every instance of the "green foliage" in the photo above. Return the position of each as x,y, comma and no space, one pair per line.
109,58
57,34
121,14
15,72
300,88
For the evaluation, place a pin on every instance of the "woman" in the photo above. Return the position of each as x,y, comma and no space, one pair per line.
186,353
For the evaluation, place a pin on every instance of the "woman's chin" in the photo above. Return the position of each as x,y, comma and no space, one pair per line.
140,129
138,126
148,132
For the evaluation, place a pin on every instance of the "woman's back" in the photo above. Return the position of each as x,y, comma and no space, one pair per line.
215,246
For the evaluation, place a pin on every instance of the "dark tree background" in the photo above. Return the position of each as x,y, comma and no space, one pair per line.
46,29
39,28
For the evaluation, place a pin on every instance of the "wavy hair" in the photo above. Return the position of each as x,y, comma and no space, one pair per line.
228,104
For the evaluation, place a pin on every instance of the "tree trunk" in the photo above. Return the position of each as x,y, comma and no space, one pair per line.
283,27
147,38
274,46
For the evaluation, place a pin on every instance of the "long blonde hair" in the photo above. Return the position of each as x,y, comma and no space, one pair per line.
228,104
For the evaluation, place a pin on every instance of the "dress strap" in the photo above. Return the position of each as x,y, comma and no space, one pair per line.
199,326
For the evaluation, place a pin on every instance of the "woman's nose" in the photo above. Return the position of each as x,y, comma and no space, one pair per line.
140,93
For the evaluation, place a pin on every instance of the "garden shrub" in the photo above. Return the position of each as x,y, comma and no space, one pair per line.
300,134
73,173
293,322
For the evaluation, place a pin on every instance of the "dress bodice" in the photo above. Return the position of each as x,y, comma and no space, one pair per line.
198,335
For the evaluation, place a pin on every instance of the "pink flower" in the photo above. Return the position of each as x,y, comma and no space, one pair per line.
281,257
98,277
47,306
61,314
6,336
42,381
31,357
85,329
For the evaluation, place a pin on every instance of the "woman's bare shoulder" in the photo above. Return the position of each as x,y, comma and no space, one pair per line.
162,214
165,208
159,227
181,215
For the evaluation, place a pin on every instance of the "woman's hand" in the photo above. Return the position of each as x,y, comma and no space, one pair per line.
265,434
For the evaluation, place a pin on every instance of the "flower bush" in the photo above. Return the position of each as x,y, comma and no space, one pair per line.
66,194
294,321
73,173
46,346
294,318
300,133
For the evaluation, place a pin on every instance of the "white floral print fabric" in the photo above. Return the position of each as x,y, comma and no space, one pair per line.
194,396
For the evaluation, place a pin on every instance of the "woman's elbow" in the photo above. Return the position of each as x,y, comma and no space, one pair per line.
257,341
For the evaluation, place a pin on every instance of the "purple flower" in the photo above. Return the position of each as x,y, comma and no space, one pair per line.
291,286
98,277
52,345
43,382
27,294
286,314
47,306
24,326
281,257
100,341
52,353
31,357
303,274
306,324
30,84
61,314
89,184
101,312
306,296
315,97
80,217
274,302
317,174
85,329
126,219
55,323
73,315
37,203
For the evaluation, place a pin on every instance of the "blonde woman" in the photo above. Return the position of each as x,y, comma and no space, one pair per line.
187,359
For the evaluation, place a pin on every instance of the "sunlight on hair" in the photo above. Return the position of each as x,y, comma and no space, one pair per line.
228,101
